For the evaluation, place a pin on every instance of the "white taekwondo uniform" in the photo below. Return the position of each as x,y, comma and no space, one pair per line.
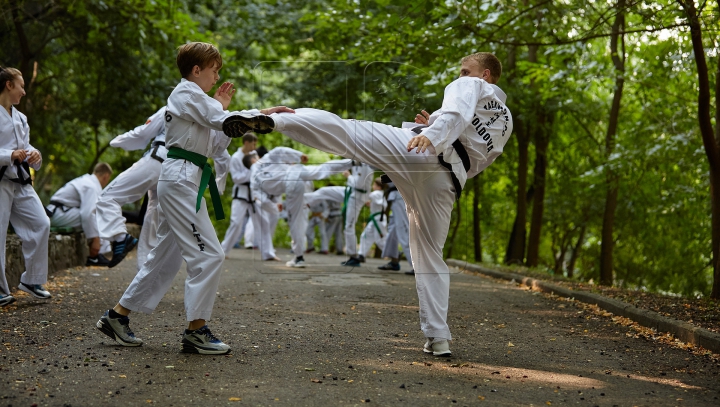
193,122
376,228
318,214
474,113
280,172
75,205
334,198
398,227
242,203
20,204
358,186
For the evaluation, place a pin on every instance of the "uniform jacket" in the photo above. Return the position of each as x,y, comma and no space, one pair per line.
82,192
14,135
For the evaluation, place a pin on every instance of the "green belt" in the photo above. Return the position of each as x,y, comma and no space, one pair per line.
372,219
207,178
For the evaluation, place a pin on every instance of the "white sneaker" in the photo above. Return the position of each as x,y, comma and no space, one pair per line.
296,263
440,348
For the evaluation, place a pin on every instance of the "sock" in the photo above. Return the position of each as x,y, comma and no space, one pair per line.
114,315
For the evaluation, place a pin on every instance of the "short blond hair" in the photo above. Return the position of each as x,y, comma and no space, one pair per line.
102,168
201,54
486,60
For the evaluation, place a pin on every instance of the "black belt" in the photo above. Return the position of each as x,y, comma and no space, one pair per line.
56,205
20,165
247,199
462,153
153,153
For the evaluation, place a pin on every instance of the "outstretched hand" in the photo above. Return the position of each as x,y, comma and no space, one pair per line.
422,118
224,94
276,109
420,142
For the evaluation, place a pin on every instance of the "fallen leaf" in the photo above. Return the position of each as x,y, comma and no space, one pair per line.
234,399
122,376
510,344
316,381
310,369
481,397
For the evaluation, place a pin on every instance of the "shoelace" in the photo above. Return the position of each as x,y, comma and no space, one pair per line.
120,247
125,322
206,332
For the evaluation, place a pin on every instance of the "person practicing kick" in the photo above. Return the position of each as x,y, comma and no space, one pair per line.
334,197
375,230
185,231
75,206
242,202
20,204
428,164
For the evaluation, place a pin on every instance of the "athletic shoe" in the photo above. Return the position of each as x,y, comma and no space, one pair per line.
296,263
118,329
36,290
249,247
6,300
202,341
440,348
237,245
239,124
121,249
390,266
340,253
310,250
351,262
323,252
411,272
99,260
361,259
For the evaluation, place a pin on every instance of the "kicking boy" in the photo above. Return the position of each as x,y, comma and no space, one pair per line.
428,164
185,231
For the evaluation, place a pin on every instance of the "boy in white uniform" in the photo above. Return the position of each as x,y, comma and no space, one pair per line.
75,206
242,202
185,231
358,187
429,166
280,172
375,231
18,200
334,197
318,215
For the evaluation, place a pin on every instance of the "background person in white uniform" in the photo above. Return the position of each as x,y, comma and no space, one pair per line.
20,204
242,203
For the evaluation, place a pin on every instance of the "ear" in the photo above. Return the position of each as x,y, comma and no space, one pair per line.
196,70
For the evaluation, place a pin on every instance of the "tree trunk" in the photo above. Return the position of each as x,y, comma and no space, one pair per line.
618,58
477,189
542,139
706,131
576,252
515,253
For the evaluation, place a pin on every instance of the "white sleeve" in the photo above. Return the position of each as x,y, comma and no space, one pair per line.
30,148
458,108
238,172
324,170
222,167
206,111
254,182
285,155
5,157
140,136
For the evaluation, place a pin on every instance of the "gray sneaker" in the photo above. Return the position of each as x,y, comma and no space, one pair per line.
6,300
118,329
439,348
36,290
202,341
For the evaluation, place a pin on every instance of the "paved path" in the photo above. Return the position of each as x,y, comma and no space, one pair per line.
328,335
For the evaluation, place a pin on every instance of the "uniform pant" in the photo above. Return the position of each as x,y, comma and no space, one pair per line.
264,222
22,208
186,235
334,227
320,223
130,186
241,211
72,218
398,232
249,238
371,235
355,203
426,186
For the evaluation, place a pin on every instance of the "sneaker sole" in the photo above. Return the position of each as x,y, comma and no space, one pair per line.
188,347
109,332
237,125
128,249
40,297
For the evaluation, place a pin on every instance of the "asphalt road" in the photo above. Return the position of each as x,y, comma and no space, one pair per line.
329,335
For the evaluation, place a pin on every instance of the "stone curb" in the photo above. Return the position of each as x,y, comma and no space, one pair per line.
682,330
